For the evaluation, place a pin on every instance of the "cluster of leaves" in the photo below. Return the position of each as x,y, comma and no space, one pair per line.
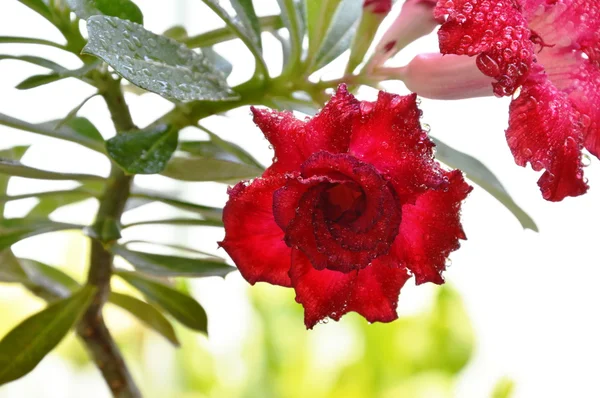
190,73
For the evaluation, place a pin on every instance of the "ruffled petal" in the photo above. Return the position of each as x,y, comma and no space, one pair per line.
544,130
389,136
294,140
431,229
322,293
579,78
493,30
253,239
376,290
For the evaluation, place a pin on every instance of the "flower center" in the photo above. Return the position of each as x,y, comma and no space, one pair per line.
343,203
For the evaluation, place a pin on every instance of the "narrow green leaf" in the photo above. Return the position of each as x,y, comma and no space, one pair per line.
246,14
144,197
40,80
14,153
13,230
29,40
45,63
10,268
164,265
40,7
49,129
178,221
143,152
124,9
181,306
147,314
28,343
482,176
173,246
340,33
504,388
209,169
318,17
245,33
292,15
72,116
232,148
18,169
155,63
47,281
81,126
49,203
177,32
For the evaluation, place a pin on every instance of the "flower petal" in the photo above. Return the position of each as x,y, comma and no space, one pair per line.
430,230
294,140
253,239
322,293
376,290
493,30
388,135
579,78
543,129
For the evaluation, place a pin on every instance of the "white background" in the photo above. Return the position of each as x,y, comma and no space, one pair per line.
532,297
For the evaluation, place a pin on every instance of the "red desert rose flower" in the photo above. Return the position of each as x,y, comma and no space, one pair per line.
551,50
352,206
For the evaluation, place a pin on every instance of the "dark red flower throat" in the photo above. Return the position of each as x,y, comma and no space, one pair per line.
341,212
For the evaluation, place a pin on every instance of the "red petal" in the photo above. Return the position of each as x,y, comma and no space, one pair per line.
544,130
494,30
294,140
322,293
579,78
430,230
253,239
376,290
389,136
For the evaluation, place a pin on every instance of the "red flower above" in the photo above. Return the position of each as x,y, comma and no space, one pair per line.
353,205
551,49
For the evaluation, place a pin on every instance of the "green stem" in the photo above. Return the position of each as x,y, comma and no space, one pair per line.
268,23
92,328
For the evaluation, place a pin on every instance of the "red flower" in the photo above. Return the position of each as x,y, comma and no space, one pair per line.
551,49
378,6
353,204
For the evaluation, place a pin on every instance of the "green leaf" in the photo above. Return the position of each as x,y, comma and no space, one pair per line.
143,152
173,246
46,281
10,268
504,388
147,314
178,221
318,17
18,169
45,63
482,176
181,306
14,153
82,126
49,129
367,28
177,32
219,61
246,14
49,203
243,28
38,6
124,9
155,63
292,15
340,33
28,343
72,116
219,149
143,197
13,230
40,80
29,40
209,169
163,265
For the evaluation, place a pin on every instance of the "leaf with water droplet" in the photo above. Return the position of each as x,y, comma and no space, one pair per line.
160,65
124,9
143,152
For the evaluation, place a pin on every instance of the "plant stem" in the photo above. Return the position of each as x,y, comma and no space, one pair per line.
92,328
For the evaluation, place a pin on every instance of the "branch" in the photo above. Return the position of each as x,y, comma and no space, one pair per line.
92,328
